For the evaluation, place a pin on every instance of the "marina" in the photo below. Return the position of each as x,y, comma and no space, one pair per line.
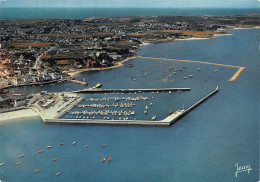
165,122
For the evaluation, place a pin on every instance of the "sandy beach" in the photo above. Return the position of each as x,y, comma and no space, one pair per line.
18,114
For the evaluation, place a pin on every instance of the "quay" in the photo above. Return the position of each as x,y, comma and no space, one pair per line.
97,90
172,118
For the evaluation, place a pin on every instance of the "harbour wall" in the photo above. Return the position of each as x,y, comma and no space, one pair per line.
131,90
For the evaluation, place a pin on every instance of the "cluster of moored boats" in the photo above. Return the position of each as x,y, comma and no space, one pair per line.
185,77
122,105
117,99
55,159
101,113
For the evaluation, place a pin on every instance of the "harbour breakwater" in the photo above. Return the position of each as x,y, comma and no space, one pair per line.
131,90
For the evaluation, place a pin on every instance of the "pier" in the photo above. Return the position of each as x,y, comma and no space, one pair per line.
165,122
92,90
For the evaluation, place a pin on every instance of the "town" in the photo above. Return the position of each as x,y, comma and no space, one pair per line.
44,51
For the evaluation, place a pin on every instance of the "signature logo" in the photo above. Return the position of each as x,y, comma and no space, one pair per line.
241,169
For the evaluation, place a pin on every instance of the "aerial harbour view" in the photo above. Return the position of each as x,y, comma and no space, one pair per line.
137,95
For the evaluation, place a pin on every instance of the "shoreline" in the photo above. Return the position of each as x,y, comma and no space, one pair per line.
14,115
117,65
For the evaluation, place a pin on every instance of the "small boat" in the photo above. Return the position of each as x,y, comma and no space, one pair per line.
146,107
2,164
151,104
18,163
103,159
199,69
36,171
20,156
215,71
58,173
145,111
154,117
40,151
205,66
54,159
109,158
205,79
61,143
48,147
86,146
191,76
103,145
73,143
170,92
184,77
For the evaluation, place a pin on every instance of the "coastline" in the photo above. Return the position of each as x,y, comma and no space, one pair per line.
117,65
14,115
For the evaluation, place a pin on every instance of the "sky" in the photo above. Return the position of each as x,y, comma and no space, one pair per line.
134,3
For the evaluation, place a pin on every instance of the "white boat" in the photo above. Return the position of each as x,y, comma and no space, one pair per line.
73,143
145,111
2,164
48,147
154,117
20,156
199,69
146,107
151,104
191,76
184,77
58,173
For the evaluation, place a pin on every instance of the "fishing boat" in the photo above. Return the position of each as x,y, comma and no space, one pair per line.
103,159
40,151
58,173
109,158
18,163
103,145
36,171
2,164
54,159
20,156
73,143
48,147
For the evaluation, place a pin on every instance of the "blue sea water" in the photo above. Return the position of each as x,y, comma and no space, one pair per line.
80,13
203,146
